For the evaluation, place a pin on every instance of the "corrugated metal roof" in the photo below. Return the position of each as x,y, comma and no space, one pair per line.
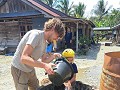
52,9
117,26
19,14
46,8
40,8
106,28
43,8
102,29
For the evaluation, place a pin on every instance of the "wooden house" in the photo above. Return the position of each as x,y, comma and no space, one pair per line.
116,33
19,16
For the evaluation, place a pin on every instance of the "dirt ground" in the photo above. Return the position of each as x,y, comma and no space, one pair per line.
89,66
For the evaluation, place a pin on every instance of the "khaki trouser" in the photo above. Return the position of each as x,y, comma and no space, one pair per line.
23,80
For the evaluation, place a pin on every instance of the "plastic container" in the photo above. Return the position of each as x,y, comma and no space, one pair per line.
63,72
110,77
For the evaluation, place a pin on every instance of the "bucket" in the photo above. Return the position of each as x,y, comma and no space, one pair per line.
110,77
63,72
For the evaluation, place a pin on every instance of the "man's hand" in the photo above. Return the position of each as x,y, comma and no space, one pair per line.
57,55
68,85
47,58
48,68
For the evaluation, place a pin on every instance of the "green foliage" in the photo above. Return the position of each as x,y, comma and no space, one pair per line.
101,9
65,6
51,3
108,20
84,40
84,43
79,10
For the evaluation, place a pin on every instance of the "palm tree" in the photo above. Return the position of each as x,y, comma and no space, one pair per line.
115,17
109,20
79,10
65,7
100,9
51,3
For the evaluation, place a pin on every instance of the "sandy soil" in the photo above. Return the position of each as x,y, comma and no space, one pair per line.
90,67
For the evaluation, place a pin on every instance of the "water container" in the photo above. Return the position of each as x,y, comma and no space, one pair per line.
110,77
63,72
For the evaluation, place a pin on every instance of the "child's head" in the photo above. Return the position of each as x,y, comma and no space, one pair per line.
69,54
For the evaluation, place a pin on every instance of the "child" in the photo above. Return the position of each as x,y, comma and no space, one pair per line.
49,48
69,54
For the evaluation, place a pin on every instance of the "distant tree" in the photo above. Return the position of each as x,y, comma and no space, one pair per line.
109,20
115,16
65,7
51,3
101,9
112,19
79,10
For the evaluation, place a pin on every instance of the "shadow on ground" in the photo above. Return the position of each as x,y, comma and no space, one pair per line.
91,54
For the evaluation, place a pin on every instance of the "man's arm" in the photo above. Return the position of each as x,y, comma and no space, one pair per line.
26,59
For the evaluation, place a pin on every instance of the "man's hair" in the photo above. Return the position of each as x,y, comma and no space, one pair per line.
57,24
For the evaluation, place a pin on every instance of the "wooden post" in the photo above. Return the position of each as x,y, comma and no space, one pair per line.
77,38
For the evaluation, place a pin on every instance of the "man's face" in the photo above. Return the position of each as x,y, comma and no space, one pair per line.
53,36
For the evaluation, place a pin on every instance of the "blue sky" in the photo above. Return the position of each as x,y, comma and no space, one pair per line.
91,3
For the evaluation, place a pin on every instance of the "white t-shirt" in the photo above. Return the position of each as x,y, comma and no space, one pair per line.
35,38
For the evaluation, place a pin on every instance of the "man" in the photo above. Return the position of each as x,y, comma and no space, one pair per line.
30,53
68,38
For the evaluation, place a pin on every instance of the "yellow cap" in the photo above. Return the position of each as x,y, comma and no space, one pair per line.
68,53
